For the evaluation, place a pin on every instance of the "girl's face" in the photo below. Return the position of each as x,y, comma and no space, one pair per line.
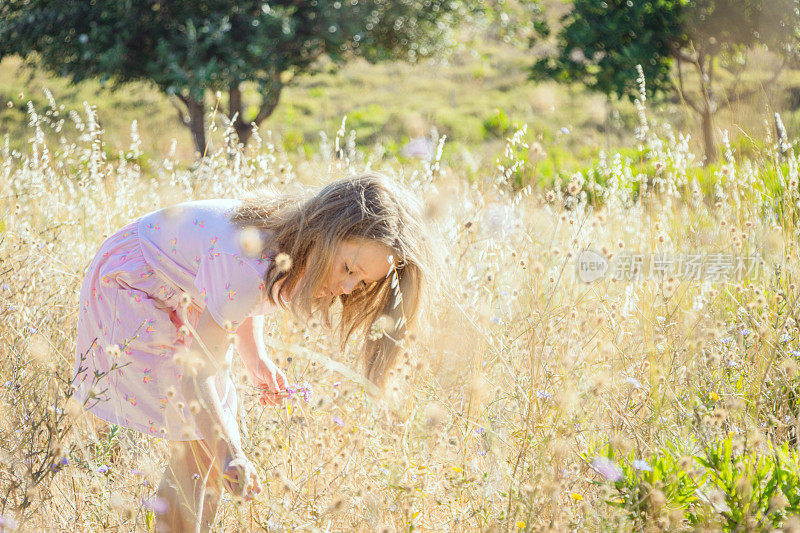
356,263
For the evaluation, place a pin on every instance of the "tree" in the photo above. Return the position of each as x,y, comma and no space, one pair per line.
189,48
600,44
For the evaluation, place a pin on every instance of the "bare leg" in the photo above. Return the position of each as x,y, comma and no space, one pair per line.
189,506
213,490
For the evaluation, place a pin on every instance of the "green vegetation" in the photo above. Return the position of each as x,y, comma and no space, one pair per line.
600,44
189,48
733,484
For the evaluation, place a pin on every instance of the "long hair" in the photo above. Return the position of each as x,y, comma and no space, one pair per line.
309,227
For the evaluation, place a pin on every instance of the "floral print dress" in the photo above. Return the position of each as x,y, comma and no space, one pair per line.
147,284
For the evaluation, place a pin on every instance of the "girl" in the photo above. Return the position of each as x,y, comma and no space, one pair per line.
165,295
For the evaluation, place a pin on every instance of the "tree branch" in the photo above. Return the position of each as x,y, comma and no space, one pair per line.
269,101
751,92
182,113
683,56
681,91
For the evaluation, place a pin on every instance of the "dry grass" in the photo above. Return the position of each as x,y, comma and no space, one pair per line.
521,376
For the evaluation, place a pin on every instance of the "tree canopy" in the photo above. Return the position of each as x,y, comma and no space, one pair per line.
601,43
190,47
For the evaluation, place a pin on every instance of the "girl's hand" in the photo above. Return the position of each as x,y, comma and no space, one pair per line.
270,379
240,477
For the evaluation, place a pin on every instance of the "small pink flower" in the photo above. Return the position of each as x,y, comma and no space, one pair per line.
156,504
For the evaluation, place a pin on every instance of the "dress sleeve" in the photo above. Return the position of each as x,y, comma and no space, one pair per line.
231,288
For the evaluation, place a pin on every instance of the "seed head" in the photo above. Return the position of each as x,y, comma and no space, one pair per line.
113,351
283,262
250,241
573,188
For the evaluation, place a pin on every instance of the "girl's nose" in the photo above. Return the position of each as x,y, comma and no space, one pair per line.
347,286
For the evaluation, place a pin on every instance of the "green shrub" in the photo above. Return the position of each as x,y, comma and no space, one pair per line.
497,124
729,483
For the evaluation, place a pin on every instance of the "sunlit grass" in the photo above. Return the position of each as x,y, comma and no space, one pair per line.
522,379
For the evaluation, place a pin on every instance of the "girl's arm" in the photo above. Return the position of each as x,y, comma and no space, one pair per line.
210,345
250,341
265,373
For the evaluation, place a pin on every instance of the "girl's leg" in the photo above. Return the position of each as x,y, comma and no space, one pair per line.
190,506
213,489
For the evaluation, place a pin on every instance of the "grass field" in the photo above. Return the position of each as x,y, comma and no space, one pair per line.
662,395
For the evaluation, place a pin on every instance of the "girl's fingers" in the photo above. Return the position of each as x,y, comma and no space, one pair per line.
271,398
281,378
256,487
273,383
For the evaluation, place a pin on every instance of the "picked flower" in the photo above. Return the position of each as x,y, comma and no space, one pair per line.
304,390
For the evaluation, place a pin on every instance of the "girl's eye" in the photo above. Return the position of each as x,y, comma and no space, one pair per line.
363,283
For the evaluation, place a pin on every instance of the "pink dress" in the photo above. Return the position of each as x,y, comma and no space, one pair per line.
128,368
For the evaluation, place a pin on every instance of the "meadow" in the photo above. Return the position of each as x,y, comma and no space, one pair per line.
662,395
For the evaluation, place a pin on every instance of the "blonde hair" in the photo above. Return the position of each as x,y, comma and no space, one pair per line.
310,227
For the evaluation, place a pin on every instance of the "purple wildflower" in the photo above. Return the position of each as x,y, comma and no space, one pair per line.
565,131
639,464
745,332
607,468
420,147
635,383
304,390
479,431
103,469
795,353
6,287
7,523
338,421
544,395
726,340
156,504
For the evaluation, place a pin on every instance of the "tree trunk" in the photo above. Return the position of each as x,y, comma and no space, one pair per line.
710,146
196,122
242,128
269,101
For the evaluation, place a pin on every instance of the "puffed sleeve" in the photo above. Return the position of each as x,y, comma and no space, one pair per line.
230,286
